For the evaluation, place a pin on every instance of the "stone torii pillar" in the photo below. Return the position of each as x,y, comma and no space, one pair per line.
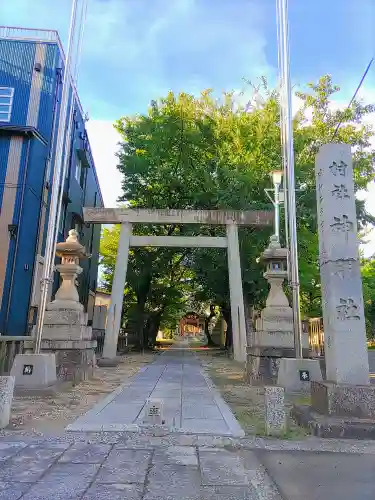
236,294
128,216
117,295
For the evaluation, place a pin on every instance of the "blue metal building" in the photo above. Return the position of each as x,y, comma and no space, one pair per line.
31,72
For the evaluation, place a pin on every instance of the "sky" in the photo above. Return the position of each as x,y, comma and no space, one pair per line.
137,50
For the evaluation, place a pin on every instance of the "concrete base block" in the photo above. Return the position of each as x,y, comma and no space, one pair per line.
263,363
75,359
343,400
275,415
296,374
108,362
34,371
324,426
6,397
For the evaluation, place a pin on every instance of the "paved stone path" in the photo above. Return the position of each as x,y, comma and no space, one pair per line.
193,462
191,405
97,471
37,469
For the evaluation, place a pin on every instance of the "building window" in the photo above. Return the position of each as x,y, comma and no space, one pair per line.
6,103
80,173
77,225
62,219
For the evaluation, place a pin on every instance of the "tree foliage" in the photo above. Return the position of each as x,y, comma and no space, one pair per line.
368,281
205,153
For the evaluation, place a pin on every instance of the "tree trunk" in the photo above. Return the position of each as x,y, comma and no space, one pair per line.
139,320
210,342
140,310
225,311
145,332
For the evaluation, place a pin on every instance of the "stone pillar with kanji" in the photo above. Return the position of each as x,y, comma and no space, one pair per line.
342,298
347,391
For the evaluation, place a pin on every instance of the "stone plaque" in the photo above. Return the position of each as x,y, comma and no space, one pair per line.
304,375
342,299
28,369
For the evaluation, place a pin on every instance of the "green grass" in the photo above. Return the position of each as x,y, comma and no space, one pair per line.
247,403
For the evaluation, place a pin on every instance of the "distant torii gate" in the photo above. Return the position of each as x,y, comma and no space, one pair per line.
126,217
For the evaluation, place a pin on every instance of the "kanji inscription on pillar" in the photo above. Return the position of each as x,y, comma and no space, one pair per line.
342,299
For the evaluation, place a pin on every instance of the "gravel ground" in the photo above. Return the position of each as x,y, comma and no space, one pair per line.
246,401
50,415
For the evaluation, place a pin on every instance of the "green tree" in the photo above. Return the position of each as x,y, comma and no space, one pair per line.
368,282
204,153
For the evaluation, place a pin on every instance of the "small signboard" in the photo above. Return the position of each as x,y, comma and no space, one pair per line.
304,375
28,369
153,412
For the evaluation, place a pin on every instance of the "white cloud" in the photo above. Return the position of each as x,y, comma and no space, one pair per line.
104,141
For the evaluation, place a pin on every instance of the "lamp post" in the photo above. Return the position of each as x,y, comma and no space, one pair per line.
276,178
277,198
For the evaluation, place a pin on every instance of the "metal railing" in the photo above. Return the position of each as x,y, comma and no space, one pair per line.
10,346
37,35
122,343
316,335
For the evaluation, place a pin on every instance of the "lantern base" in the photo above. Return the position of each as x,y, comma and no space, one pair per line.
34,371
296,374
66,324
57,305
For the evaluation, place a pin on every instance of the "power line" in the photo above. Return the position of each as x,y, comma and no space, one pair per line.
355,95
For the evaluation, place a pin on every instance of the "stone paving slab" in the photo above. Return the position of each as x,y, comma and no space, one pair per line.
148,468
13,491
96,471
82,453
150,438
115,491
125,466
191,403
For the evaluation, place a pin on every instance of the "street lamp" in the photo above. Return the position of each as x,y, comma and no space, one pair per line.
277,199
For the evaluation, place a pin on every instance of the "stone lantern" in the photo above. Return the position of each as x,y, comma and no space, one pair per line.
65,329
273,337
70,252
277,315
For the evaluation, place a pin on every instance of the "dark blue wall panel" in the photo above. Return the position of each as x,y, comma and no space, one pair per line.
17,70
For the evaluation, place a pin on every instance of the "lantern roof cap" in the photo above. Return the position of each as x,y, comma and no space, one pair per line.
71,246
274,251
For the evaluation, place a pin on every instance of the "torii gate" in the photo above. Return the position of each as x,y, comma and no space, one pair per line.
126,217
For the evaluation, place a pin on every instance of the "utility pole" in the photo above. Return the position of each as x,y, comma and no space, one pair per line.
286,126
57,183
